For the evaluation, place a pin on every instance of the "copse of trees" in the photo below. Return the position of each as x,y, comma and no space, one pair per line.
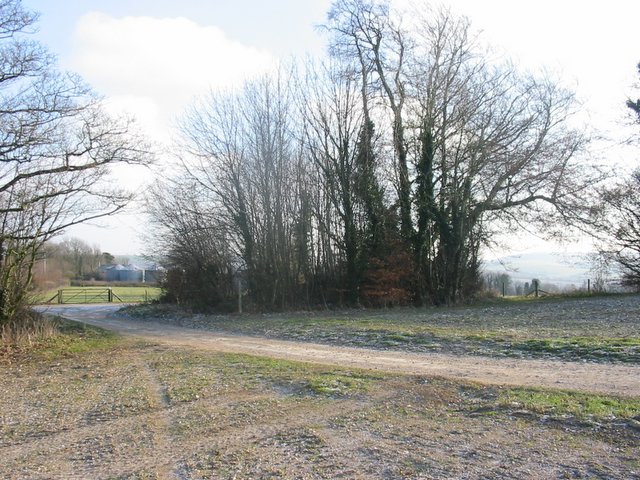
60,262
376,177
57,145
499,283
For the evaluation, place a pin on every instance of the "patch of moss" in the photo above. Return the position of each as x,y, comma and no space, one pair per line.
339,384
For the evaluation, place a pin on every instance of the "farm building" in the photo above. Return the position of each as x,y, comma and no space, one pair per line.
129,273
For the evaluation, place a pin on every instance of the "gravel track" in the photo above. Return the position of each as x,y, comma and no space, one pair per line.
175,406
604,378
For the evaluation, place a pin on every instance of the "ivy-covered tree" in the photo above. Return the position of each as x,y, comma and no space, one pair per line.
471,144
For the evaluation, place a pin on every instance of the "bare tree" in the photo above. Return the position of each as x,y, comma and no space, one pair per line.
292,179
335,122
634,105
82,258
620,223
243,152
495,147
56,149
195,251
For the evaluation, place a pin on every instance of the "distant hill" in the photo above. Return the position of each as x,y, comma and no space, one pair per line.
561,269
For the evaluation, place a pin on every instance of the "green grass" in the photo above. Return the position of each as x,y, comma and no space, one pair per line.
562,403
74,339
137,294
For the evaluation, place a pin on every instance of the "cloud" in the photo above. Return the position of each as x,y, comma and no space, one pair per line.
153,67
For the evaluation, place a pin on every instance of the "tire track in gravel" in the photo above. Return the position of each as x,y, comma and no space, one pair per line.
164,458
57,441
610,379
261,431
161,425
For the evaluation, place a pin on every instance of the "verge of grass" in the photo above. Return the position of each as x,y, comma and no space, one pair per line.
551,297
319,380
562,403
576,330
65,338
625,349
339,384
76,338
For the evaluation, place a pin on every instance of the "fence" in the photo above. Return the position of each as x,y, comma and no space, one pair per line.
96,295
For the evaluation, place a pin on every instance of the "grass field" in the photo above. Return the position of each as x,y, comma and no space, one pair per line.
602,329
97,294
90,404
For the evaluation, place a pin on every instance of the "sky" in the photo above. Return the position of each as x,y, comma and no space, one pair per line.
152,58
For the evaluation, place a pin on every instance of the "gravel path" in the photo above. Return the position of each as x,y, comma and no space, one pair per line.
602,378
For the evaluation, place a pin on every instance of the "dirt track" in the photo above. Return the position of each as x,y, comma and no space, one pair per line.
588,377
